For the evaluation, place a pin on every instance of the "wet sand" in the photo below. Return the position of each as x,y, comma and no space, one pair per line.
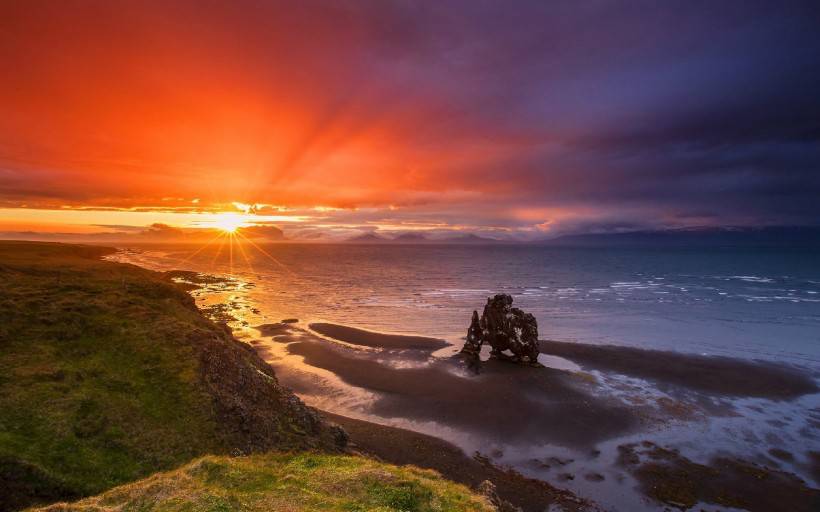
713,375
507,405
708,374
400,446
523,405
365,338
516,404
673,479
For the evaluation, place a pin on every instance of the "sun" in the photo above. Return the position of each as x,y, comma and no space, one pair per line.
228,222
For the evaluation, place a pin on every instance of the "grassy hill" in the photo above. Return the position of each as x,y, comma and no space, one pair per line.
286,482
108,373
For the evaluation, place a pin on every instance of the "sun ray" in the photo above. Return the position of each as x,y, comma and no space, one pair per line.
264,252
218,251
245,257
209,242
230,251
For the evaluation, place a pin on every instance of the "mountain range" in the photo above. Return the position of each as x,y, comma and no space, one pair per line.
727,236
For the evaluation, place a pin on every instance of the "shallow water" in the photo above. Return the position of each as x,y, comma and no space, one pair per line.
745,304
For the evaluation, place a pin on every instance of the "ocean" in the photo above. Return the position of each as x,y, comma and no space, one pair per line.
747,303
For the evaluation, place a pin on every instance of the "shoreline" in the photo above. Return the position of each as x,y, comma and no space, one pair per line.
401,446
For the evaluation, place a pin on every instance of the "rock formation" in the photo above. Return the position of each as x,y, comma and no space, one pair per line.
505,329
472,345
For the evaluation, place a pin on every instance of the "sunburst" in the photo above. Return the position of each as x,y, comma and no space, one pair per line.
228,222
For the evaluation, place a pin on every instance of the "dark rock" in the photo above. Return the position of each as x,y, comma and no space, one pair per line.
505,329
472,345
474,336
290,321
254,412
273,329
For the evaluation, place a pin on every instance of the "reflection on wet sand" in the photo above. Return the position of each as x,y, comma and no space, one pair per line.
709,374
568,424
510,404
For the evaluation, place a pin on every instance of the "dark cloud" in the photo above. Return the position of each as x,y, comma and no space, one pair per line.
490,115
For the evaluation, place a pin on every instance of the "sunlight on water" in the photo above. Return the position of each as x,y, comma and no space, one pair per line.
743,303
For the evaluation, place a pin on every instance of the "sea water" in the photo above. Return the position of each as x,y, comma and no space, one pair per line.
748,303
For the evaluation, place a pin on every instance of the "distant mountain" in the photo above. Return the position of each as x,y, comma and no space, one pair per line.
411,238
782,236
421,238
469,238
368,238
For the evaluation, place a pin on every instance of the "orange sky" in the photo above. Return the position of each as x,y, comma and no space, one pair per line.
137,104
370,115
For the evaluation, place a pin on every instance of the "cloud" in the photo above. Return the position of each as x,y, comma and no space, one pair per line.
154,233
460,114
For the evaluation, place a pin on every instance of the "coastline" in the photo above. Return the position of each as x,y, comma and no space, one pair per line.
142,382
400,446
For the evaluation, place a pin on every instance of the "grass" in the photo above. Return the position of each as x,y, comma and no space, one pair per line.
95,387
286,482
109,373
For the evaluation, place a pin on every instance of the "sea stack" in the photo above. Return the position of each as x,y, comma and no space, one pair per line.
512,333
472,345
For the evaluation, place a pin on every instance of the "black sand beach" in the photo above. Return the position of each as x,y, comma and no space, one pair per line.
587,396
504,401
376,339
546,406
709,374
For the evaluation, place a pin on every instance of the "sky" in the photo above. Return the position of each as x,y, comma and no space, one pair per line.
326,119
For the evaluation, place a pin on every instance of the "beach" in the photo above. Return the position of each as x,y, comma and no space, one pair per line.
554,422
598,427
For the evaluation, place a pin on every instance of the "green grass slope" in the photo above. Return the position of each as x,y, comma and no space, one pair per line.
109,373
286,482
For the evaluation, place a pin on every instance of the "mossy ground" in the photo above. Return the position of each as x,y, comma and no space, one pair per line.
287,482
95,387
